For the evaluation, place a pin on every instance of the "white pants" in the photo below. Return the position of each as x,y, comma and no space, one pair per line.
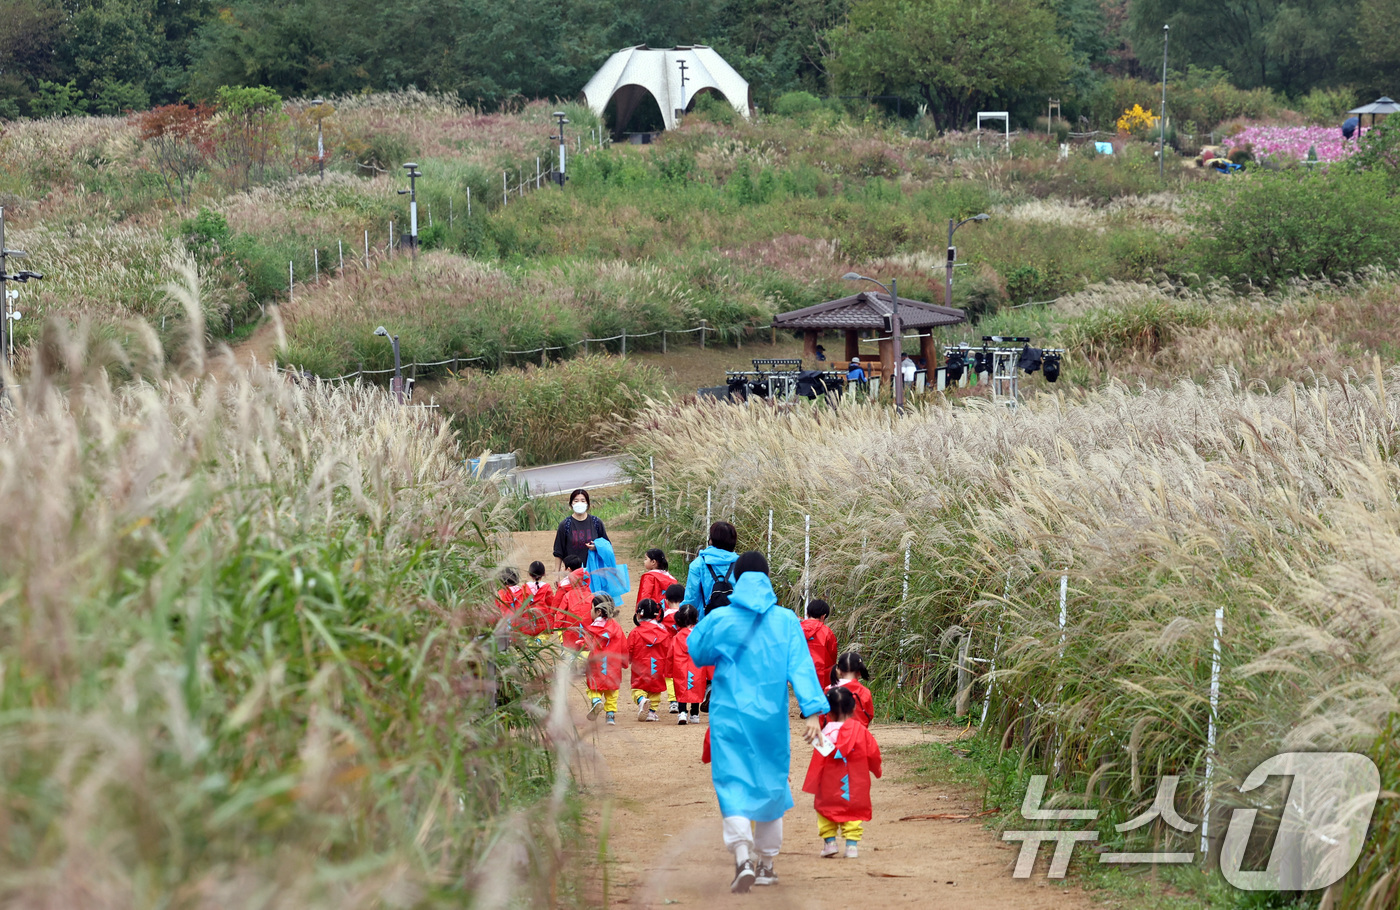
742,837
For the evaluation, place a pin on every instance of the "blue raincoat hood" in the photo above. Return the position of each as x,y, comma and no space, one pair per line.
754,592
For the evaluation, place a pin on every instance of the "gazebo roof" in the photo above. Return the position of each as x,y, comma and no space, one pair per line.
867,310
1379,106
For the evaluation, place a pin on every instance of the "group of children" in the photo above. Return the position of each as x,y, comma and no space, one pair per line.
657,654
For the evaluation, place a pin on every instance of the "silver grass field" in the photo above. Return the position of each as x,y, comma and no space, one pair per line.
1159,505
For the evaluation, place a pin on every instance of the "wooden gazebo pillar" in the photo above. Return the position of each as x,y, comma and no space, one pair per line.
852,345
887,362
809,345
928,350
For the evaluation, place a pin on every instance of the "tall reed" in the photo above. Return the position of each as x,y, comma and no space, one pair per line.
246,655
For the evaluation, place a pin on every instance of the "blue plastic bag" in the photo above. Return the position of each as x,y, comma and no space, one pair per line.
607,576
1103,148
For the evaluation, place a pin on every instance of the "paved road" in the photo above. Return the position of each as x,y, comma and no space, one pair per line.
572,475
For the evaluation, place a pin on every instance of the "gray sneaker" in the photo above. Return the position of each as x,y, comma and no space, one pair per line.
743,877
765,874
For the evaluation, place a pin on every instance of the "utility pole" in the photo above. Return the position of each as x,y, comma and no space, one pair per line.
563,148
6,329
681,110
320,138
412,193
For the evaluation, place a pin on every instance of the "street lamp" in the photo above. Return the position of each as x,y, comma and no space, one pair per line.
412,194
1162,124
7,341
895,330
953,254
397,386
559,115
320,139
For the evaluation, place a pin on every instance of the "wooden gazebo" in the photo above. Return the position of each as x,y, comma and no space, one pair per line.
867,311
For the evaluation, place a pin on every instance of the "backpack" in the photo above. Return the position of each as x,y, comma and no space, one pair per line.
723,587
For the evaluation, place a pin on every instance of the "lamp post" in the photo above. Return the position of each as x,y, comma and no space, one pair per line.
6,329
320,139
412,193
895,329
397,386
953,255
1162,124
559,115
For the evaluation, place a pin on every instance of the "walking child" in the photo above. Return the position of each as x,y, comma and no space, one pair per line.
516,605
821,641
687,680
675,598
839,775
649,647
848,673
573,604
541,595
607,658
656,579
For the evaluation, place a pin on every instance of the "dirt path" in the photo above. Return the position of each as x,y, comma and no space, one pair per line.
652,797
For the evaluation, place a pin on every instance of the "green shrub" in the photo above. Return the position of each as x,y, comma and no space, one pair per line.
548,414
713,108
1379,149
792,104
1266,227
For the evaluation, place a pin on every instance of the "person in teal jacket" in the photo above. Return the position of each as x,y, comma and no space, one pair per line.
756,648
710,565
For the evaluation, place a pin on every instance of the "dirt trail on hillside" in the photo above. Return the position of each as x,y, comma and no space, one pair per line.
651,797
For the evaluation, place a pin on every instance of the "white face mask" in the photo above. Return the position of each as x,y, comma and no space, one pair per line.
580,508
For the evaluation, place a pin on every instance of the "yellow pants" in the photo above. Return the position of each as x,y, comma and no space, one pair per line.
654,696
670,689
829,829
609,699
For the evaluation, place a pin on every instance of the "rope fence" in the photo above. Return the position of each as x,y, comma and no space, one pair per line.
456,363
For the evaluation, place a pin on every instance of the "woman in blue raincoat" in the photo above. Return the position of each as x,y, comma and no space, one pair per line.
756,648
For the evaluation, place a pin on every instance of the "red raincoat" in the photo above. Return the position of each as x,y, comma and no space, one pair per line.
653,584
518,604
865,705
841,781
542,597
689,679
821,642
668,618
607,655
573,608
649,646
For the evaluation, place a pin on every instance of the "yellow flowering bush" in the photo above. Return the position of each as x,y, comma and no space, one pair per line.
1136,120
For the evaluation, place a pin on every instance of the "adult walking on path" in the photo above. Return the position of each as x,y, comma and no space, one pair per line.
757,649
712,565
577,532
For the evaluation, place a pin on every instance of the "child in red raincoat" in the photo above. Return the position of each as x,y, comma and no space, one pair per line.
821,641
847,674
655,580
515,603
675,597
607,658
573,605
840,780
649,647
541,595
688,679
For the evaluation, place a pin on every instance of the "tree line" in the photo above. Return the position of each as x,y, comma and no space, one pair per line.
951,56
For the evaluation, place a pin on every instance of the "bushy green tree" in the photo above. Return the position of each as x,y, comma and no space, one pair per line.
958,55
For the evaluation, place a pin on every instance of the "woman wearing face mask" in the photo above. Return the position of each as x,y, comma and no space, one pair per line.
577,532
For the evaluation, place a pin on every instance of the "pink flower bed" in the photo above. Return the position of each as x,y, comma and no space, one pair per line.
1294,141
